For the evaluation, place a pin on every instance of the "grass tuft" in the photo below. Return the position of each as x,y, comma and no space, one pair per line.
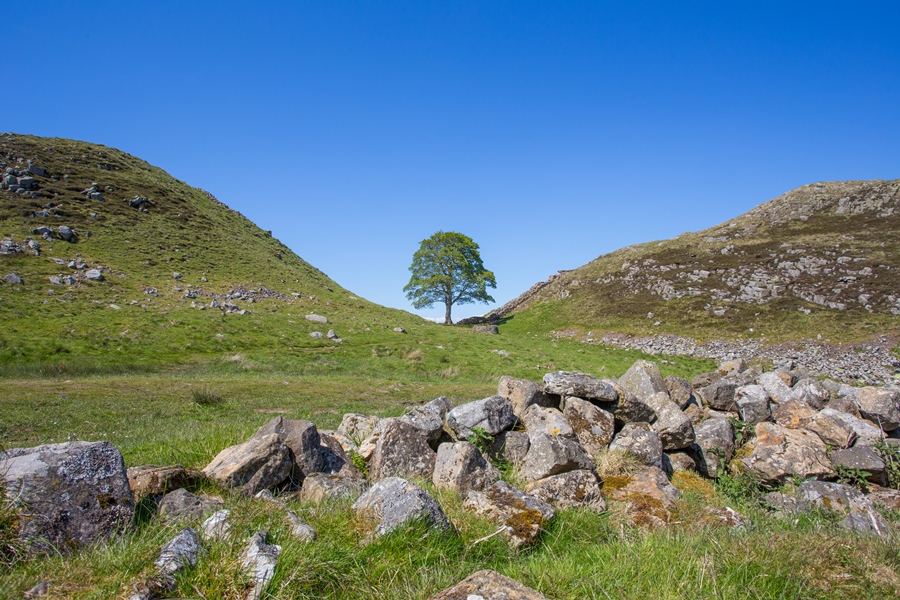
205,397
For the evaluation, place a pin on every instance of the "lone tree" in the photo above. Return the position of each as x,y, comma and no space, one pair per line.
447,268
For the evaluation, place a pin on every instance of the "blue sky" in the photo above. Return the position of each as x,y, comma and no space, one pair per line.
549,132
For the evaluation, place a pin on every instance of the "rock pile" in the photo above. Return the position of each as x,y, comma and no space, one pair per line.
22,182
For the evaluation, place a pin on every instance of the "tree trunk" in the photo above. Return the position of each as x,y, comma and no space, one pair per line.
447,319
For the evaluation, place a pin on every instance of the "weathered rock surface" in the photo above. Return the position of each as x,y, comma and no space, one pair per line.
860,458
718,395
812,392
551,455
640,440
262,462
259,561
868,523
393,502
794,414
775,387
779,453
643,379
460,466
680,390
752,403
322,487
630,409
181,505
580,385
67,495
538,419
574,489
429,419
493,415
523,393
488,585
714,444
593,426
401,451
836,497
179,554
524,516
300,529
357,427
880,405
648,498
673,426
152,480
302,438
511,446
335,460
839,429
216,526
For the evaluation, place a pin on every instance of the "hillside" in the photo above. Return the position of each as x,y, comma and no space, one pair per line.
153,267
821,260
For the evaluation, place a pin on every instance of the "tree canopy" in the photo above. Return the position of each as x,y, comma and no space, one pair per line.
447,268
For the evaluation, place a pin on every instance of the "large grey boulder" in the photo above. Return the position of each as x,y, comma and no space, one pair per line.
840,430
775,386
812,392
66,233
523,515
714,445
718,395
492,415
573,489
401,451
835,497
752,403
640,440
673,426
593,426
429,419
538,419
630,408
860,458
779,453
648,497
680,390
880,405
581,385
262,462
393,502
794,413
460,466
488,585
180,505
357,427
553,454
643,379
302,439
14,278
67,495
523,393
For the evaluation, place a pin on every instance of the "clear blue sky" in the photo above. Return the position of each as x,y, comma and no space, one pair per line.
549,132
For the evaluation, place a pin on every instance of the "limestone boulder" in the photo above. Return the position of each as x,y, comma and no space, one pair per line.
429,419
880,405
718,395
593,426
673,426
523,515
680,390
538,419
779,453
869,523
752,403
643,379
153,480
714,445
523,393
834,497
492,415
573,489
67,495
860,458
401,451
460,466
552,454
488,585
630,409
262,462
649,498
812,392
794,413
840,430
580,385
322,487
775,386
357,427
182,506
642,441
393,502
511,447
302,439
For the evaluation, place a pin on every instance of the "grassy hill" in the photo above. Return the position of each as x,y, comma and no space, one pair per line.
821,259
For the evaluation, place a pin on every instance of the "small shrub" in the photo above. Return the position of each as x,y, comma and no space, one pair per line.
739,487
481,439
743,431
852,476
359,462
891,457
205,397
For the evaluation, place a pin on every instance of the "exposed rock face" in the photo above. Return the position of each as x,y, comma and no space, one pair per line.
68,495
401,451
643,379
523,515
835,497
593,426
459,466
551,421
630,409
393,502
775,387
181,505
573,489
715,445
648,498
812,392
522,393
551,455
779,453
302,438
493,415
262,462
429,419
488,585
673,426
880,405
151,480
640,440
581,385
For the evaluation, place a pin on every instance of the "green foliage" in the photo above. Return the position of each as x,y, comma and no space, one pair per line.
739,487
447,268
890,454
359,462
205,397
743,431
481,439
852,476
